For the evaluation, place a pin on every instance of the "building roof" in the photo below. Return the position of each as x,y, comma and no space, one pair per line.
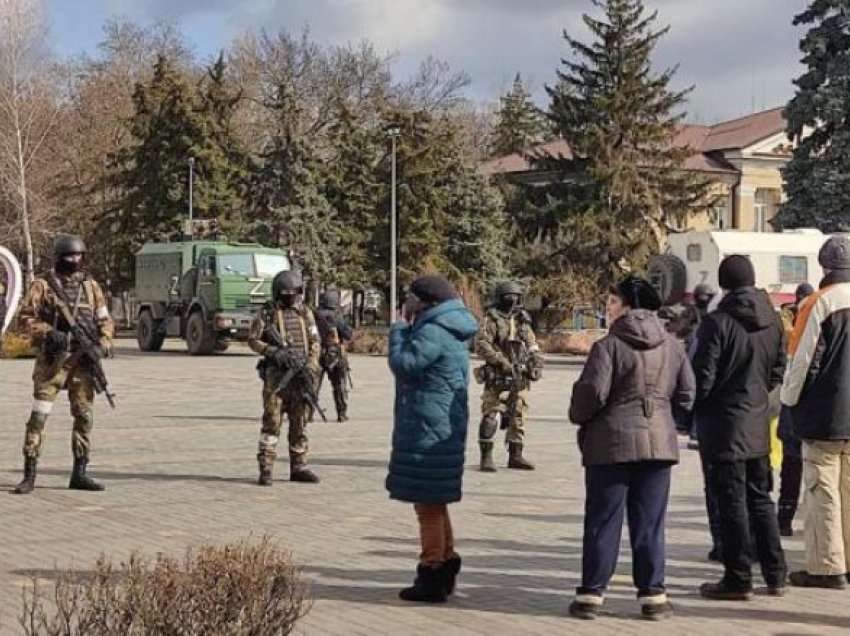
707,141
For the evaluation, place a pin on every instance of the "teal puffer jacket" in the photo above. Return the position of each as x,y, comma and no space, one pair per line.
430,360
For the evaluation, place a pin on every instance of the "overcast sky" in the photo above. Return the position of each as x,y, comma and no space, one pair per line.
740,54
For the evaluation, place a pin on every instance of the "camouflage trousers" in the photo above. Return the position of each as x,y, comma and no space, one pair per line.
49,378
494,407
275,406
339,383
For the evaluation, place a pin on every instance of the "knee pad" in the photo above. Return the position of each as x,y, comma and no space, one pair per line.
488,427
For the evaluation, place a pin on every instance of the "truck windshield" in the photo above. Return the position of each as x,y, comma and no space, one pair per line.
268,265
251,265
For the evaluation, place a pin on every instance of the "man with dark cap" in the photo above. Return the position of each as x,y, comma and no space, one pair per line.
296,326
334,333
791,475
512,361
817,390
739,359
66,291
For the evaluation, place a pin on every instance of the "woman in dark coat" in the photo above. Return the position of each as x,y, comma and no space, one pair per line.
623,405
429,356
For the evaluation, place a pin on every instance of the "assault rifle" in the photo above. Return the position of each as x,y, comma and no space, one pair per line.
293,368
525,367
86,334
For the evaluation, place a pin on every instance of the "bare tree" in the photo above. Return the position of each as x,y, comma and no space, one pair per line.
28,110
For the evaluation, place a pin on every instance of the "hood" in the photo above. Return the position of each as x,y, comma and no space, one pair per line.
750,307
835,277
640,329
453,316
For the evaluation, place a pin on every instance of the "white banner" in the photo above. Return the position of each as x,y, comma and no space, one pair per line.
14,286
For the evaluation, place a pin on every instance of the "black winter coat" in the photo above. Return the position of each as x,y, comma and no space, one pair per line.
624,397
739,359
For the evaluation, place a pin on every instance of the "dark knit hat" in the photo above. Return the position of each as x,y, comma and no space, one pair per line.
835,253
638,293
433,289
804,290
736,271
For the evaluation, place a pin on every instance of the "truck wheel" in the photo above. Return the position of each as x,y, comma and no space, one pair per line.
669,276
147,333
200,339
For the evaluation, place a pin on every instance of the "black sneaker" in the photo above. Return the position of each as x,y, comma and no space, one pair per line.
777,590
585,611
722,592
656,611
824,581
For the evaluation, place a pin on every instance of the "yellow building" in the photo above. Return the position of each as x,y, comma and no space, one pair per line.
742,156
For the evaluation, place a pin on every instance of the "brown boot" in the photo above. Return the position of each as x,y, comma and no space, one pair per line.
515,458
487,465
299,472
266,464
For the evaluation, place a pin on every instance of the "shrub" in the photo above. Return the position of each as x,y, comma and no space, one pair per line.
16,346
369,342
245,588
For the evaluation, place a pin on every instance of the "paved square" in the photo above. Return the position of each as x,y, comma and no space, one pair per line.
178,458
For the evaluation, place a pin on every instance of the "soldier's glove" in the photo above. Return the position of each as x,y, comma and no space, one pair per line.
55,342
277,356
535,373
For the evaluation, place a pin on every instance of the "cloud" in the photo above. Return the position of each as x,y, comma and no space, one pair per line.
737,54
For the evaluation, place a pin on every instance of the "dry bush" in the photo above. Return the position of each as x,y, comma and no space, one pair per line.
245,588
571,342
369,342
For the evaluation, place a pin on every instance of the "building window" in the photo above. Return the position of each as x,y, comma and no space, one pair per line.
793,270
721,214
760,210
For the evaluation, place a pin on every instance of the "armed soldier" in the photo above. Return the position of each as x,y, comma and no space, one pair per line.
512,359
285,334
335,334
685,325
66,317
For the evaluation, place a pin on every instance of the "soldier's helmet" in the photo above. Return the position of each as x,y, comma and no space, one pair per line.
704,289
287,283
329,300
508,288
66,244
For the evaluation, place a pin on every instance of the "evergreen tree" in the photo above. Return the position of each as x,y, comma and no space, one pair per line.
519,125
173,123
288,208
817,177
623,182
352,189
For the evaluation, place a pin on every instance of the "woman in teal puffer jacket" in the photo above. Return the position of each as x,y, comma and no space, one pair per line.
429,356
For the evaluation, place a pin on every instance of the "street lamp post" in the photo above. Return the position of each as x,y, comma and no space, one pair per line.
393,132
191,193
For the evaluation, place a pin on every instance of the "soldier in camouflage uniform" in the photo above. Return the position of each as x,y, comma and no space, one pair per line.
297,326
506,328
335,334
686,325
57,367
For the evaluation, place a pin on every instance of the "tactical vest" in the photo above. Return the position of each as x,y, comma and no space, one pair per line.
293,328
507,328
326,323
79,293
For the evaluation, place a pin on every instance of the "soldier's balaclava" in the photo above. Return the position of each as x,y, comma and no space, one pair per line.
287,299
507,303
65,265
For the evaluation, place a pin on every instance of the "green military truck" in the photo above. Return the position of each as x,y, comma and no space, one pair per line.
205,292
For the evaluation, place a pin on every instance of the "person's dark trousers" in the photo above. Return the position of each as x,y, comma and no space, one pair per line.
641,491
791,475
747,522
712,509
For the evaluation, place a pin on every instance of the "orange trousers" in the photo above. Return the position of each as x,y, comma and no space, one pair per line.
435,533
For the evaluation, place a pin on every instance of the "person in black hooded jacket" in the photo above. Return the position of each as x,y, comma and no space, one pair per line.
739,359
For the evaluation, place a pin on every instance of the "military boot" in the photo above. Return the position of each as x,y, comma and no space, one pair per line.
515,458
299,472
27,484
487,465
79,479
266,464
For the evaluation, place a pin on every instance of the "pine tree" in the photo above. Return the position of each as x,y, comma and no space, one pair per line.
818,175
352,189
520,124
288,208
174,122
624,180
